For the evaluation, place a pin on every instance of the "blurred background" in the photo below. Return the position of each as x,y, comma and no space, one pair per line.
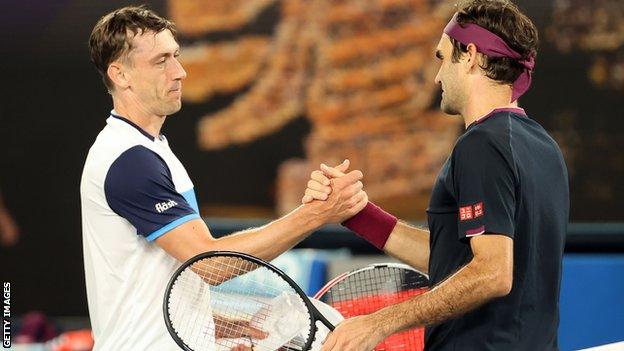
276,87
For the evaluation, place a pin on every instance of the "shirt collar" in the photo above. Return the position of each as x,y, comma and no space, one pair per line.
516,110
132,124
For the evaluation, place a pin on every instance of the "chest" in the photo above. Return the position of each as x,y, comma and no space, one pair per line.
443,200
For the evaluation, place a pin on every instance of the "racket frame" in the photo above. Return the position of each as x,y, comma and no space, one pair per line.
314,312
343,276
340,277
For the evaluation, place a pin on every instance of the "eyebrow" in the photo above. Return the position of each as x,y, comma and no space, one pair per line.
438,54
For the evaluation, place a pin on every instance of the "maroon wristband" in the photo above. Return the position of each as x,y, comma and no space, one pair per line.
373,224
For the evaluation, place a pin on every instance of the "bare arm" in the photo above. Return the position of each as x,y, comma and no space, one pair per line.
406,243
266,242
269,241
410,245
487,276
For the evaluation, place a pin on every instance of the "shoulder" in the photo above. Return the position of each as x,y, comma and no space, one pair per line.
138,173
106,148
108,145
486,145
484,137
137,164
140,156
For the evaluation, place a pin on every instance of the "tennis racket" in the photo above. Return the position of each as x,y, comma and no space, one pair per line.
222,300
369,289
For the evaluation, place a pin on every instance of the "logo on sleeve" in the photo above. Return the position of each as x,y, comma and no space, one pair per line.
465,213
478,209
164,206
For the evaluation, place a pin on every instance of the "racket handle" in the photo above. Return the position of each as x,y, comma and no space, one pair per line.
328,324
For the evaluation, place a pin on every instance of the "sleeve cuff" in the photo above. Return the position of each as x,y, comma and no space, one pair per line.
160,232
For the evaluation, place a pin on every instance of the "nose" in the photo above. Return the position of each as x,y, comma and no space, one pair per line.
179,72
437,77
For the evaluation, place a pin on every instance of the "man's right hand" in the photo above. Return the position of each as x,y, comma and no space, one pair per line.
320,184
341,194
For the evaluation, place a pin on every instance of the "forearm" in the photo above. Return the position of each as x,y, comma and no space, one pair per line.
272,239
269,241
410,245
464,291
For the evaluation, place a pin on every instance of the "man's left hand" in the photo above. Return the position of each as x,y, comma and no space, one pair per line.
360,333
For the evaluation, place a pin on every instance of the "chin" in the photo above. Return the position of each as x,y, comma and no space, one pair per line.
448,109
173,108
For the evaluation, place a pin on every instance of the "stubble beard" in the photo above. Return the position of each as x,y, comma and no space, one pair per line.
170,107
449,106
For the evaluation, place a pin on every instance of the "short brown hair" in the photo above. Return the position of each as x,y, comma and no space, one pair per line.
109,38
503,18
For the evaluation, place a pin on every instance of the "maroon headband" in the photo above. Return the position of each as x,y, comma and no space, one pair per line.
492,45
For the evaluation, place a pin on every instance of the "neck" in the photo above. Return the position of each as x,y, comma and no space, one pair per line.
483,101
136,112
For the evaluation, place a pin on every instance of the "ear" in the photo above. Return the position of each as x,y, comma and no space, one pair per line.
118,75
472,57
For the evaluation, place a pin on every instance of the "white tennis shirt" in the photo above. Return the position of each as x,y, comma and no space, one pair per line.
133,190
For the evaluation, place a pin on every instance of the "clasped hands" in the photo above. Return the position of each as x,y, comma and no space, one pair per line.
331,185
339,195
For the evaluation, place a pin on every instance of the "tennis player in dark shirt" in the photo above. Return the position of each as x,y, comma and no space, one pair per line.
498,211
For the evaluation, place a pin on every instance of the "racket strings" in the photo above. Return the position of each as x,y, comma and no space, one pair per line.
219,303
195,293
369,290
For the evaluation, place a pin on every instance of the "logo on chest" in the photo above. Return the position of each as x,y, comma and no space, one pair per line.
164,206
467,213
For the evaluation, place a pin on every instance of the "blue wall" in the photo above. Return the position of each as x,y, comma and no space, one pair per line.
592,300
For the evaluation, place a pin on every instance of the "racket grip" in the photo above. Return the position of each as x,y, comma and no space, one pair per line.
373,224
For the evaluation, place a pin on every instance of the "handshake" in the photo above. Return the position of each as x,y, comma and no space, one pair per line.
332,195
